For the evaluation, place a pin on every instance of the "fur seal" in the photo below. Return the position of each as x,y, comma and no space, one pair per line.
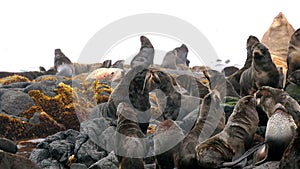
108,74
145,56
262,72
291,156
267,97
176,59
235,138
118,64
229,70
130,145
210,121
177,105
293,57
234,79
193,85
279,133
63,64
167,137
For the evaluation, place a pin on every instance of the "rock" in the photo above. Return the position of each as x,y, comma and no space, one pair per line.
277,37
267,165
109,162
78,166
12,161
15,102
17,85
8,145
50,163
47,87
89,153
38,155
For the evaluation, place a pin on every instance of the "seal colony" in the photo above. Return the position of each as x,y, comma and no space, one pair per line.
193,119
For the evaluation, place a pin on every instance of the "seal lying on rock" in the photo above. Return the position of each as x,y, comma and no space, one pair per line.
262,72
145,56
293,57
210,121
236,137
130,145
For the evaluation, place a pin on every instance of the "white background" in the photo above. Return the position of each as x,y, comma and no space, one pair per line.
30,30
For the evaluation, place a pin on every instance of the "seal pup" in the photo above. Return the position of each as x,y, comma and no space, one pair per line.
234,79
130,146
291,156
293,56
267,97
279,133
262,72
234,139
210,121
145,56
63,64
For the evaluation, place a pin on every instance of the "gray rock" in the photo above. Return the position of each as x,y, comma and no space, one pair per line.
78,166
15,102
12,161
109,162
50,163
38,155
47,87
267,165
89,153
17,85
8,145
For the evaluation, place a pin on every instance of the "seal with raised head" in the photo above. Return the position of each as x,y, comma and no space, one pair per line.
293,57
62,64
145,56
130,145
234,79
267,97
236,137
210,121
176,59
262,72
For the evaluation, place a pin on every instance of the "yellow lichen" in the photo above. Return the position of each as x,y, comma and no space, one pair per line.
13,79
102,91
30,112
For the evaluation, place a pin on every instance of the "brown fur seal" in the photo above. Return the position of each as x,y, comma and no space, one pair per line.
146,55
293,57
234,79
63,64
291,156
193,85
167,138
279,133
236,137
210,121
262,72
268,97
177,105
130,145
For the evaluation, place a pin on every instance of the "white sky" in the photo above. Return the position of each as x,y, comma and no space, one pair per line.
30,30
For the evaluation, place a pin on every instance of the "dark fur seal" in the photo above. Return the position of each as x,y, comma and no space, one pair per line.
146,55
291,156
193,85
234,79
63,64
236,137
177,105
176,59
262,72
293,57
268,97
167,138
210,121
279,133
130,145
